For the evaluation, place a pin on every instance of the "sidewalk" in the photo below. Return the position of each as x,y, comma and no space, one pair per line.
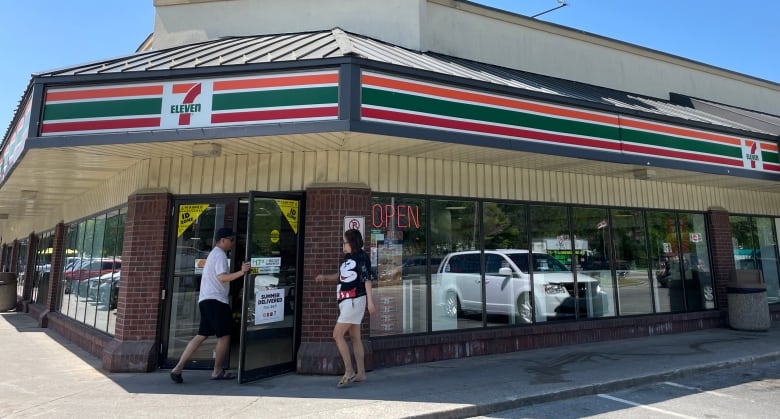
41,374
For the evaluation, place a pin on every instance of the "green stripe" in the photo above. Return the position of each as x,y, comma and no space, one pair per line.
446,108
102,109
273,98
770,157
678,143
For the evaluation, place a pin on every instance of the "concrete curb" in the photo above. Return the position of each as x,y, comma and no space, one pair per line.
592,389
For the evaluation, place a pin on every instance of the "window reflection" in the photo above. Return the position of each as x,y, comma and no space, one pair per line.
593,265
454,295
397,244
631,262
89,282
755,247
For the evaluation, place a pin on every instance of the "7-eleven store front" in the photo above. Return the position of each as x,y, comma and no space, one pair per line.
142,168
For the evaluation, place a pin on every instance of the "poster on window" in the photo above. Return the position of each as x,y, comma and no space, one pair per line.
269,306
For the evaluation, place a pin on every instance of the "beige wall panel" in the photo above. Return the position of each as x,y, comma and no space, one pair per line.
154,172
263,162
405,167
241,168
276,171
366,167
385,176
196,176
225,174
175,179
252,167
430,176
419,175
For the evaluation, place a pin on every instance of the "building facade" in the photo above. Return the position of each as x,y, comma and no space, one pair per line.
519,184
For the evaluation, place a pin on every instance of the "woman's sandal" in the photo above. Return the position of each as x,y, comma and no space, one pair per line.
347,380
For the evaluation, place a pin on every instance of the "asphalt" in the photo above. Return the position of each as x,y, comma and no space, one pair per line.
43,375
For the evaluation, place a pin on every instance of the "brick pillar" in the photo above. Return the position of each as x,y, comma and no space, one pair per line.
57,266
144,254
326,207
722,255
29,270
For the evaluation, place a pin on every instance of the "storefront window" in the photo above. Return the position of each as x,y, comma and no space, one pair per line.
631,264
456,287
90,278
495,264
397,239
21,265
42,273
755,247
593,267
698,288
664,252
509,295
554,282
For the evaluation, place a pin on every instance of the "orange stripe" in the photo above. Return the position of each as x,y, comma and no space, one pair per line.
104,93
275,82
492,100
768,146
680,131
182,88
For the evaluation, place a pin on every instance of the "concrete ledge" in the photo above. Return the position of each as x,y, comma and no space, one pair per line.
130,356
323,358
87,338
39,313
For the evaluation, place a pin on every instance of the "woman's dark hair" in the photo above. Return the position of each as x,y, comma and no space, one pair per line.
355,240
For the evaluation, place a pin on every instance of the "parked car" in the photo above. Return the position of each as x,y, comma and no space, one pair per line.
88,268
508,286
104,289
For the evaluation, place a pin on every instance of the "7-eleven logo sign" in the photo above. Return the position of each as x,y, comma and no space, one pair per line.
187,104
751,155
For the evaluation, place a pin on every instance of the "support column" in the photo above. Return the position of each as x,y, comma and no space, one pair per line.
29,269
144,254
326,207
722,255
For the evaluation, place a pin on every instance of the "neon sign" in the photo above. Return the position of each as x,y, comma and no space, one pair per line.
400,216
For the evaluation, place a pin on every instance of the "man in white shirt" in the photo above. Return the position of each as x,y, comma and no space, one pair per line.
215,314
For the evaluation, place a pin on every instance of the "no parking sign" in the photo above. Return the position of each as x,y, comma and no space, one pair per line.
358,223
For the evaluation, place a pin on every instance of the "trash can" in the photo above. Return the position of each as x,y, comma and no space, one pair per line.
7,291
747,299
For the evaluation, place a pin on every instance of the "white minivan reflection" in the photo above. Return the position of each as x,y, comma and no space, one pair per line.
508,287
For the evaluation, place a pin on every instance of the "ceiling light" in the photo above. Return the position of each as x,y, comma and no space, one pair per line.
29,194
645,174
206,150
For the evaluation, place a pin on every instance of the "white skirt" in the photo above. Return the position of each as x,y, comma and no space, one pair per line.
351,310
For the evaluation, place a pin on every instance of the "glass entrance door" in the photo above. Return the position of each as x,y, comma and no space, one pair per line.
196,223
269,314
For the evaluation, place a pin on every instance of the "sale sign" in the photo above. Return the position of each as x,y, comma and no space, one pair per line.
269,306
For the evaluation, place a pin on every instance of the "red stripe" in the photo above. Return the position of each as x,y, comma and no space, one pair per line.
100,125
652,151
274,114
490,129
771,167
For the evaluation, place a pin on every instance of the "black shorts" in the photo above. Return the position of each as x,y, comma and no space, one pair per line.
215,318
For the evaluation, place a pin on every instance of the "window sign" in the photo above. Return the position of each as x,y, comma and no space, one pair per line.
269,305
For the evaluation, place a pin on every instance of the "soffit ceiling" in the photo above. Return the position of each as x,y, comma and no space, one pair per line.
60,174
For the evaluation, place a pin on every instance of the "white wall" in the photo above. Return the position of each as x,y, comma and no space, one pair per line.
395,21
469,31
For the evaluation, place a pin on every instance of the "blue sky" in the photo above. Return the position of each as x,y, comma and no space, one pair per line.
739,35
